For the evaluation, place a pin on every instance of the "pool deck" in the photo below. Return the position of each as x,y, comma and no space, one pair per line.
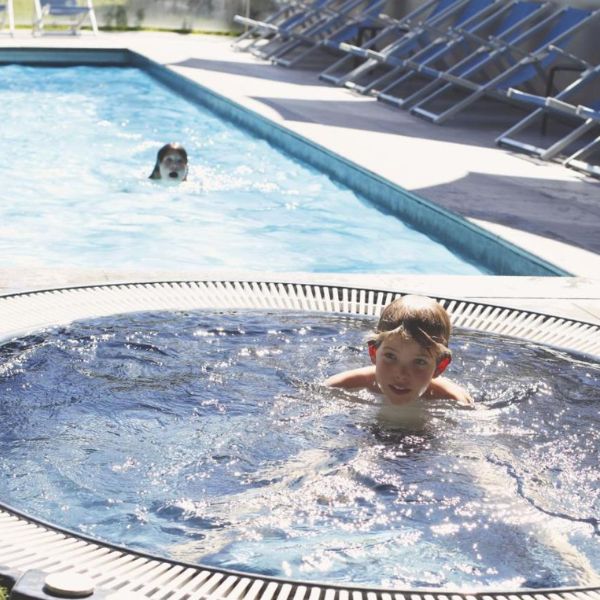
544,208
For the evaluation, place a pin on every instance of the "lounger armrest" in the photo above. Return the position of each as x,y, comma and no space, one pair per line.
548,101
561,106
351,49
253,23
588,113
471,36
460,81
387,19
575,59
516,94
374,55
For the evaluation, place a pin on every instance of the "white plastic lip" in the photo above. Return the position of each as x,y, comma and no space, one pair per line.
26,313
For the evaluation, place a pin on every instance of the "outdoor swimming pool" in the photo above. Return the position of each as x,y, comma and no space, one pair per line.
78,144
206,435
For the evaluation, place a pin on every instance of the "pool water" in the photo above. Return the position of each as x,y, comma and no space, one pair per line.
207,436
78,143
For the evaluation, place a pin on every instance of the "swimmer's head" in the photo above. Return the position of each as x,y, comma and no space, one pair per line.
171,163
410,347
420,319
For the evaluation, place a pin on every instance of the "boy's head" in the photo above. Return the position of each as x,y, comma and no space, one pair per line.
410,347
171,163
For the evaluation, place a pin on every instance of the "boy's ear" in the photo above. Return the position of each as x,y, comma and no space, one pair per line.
442,365
372,352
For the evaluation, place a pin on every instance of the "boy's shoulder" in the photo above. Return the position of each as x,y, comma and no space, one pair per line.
363,377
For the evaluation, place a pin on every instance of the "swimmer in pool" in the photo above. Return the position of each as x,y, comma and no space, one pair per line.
171,163
409,352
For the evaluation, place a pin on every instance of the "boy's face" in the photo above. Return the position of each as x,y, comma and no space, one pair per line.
173,166
403,369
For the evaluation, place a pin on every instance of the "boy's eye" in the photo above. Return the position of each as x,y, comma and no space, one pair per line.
422,362
389,355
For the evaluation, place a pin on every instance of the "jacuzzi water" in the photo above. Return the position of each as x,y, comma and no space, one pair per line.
77,145
207,437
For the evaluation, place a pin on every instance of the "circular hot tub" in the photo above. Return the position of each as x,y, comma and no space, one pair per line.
175,439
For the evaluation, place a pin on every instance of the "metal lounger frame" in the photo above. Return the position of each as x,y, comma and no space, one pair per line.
560,105
423,37
7,15
368,17
512,19
524,69
286,17
330,16
62,8
428,11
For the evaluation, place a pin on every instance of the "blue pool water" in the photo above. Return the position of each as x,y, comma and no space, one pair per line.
77,145
208,437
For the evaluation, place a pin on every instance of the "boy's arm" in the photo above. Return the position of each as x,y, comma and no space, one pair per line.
356,378
442,387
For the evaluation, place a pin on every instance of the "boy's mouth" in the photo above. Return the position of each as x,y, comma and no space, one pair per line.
174,174
400,391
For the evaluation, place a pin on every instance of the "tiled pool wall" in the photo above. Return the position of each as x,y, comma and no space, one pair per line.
460,236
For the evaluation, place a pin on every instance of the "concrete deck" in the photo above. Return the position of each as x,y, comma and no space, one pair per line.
544,208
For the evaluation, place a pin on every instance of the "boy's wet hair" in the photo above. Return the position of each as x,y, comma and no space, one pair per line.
419,318
172,147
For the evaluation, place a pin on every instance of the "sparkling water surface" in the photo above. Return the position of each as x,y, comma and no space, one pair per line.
208,437
77,145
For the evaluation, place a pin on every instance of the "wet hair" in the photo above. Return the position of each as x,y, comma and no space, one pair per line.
418,318
166,149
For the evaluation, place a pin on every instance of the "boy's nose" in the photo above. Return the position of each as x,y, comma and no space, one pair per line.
402,371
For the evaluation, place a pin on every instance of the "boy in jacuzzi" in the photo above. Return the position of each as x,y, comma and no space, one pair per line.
409,352
171,163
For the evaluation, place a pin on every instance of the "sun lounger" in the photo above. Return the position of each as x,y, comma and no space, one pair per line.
406,83
70,11
7,16
366,76
339,72
327,17
352,29
571,105
287,17
497,69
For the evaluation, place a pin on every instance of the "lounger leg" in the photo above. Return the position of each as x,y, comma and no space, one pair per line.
11,17
92,14
387,94
283,50
381,82
505,138
419,109
449,112
38,19
416,96
329,73
296,59
553,150
350,60
350,79
577,161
